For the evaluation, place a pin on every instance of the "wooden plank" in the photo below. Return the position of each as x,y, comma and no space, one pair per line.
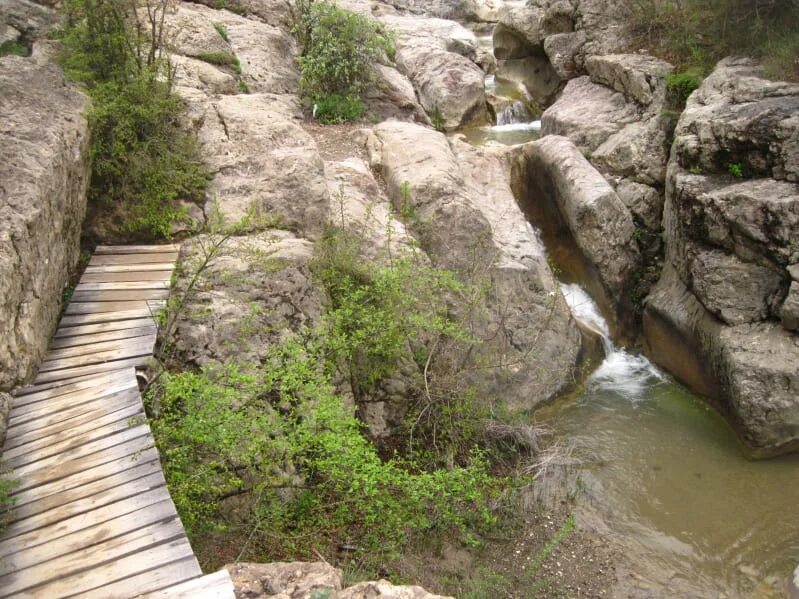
21,574
97,338
33,394
133,259
213,586
144,347
103,327
102,307
52,463
120,295
100,346
62,497
68,373
152,580
61,425
56,471
106,317
137,249
122,286
131,276
110,514
41,415
119,570
53,447
87,389
131,488
85,477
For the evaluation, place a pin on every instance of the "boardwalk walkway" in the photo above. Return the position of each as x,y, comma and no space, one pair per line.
92,515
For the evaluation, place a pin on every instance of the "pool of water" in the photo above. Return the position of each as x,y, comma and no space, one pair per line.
665,476
509,135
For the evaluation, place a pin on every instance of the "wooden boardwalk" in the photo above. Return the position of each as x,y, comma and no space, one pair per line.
92,516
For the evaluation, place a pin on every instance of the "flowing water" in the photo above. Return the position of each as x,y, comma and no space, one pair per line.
517,133
664,476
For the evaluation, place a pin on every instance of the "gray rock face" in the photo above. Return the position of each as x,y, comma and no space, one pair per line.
469,221
262,159
730,248
438,56
790,308
256,290
44,171
739,117
300,580
27,17
5,408
638,76
535,74
598,220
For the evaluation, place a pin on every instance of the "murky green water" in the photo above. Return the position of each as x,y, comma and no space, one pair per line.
666,475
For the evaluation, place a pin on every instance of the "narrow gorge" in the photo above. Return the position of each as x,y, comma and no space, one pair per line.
534,279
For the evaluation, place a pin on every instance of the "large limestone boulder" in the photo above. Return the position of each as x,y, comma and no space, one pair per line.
44,172
731,251
263,160
467,219
254,291
438,56
593,215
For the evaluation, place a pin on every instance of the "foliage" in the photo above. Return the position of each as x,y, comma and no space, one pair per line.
14,47
282,437
697,33
222,31
736,169
681,85
7,501
141,158
339,48
335,108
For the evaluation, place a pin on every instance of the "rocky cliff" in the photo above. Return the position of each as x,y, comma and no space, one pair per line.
44,169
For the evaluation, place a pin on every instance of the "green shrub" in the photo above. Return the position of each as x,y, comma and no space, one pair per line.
681,85
15,48
330,109
221,59
736,169
337,58
142,160
222,31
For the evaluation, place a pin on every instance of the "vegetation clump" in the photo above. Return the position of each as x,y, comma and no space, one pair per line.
695,34
143,161
339,49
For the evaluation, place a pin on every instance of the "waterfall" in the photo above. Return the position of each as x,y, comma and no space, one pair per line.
514,113
626,374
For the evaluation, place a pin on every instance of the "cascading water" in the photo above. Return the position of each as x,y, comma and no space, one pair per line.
514,113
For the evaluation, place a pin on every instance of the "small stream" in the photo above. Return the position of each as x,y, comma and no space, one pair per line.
663,475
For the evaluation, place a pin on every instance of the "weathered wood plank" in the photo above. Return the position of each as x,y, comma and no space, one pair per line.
104,327
144,347
106,317
131,276
119,295
120,394
185,569
61,470
100,346
78,584
97,338
100,308
137,249
30,453
38,409
95,412
85,477
121,286
110,515
62,497
20,572
34,393
213,586
131,488
69,373
132,259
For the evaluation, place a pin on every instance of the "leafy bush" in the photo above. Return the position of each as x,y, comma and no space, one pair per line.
14,47
681,85
697,33
337,108
339,49
142,159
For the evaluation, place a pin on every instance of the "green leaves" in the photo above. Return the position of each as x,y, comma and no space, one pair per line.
339,50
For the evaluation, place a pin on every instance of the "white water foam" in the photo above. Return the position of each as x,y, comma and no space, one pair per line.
533,126
621,372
